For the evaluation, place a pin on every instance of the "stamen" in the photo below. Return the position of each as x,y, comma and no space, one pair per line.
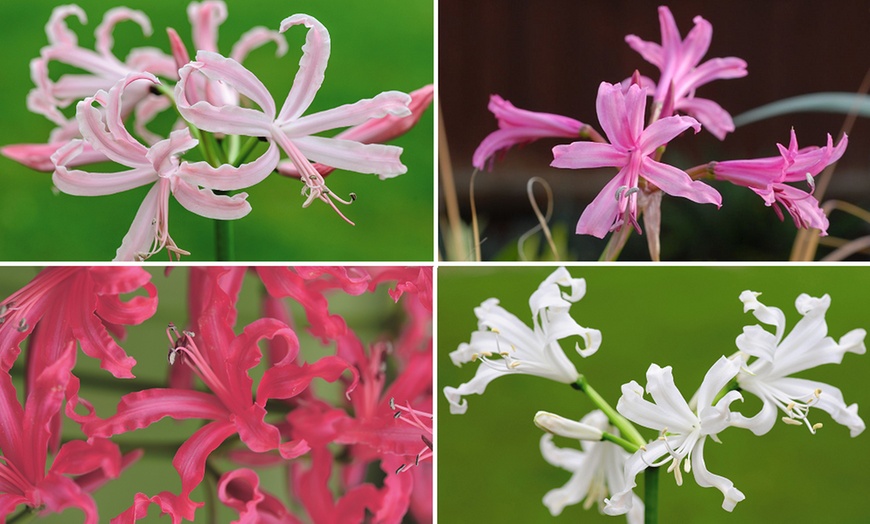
22,326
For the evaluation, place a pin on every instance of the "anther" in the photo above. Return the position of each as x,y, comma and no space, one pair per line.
22,326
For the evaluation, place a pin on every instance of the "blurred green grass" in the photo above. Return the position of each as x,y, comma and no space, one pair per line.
375,47
489,465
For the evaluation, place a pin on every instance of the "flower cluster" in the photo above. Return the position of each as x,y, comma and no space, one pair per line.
614,452
634,143
257,390
211,153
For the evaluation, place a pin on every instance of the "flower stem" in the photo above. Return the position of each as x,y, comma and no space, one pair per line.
223,239
625,427
651,496
25,515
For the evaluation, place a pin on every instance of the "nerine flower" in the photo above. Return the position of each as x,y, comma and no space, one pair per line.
26,429
596,472
777,356
767,177
222,360
288,128
192,184
678,60
520,126
683,430
524,350
621,114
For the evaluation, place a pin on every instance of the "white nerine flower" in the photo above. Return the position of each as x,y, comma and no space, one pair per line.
596,471
504,344
805,347
683,430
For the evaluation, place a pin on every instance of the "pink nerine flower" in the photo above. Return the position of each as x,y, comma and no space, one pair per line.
767,177
678,61
222,360
103,129
288,128
632,146
519,126
25,433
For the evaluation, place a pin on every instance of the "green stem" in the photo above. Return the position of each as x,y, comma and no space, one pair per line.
223,239
651,496
631,447
625,427
212,477
25,515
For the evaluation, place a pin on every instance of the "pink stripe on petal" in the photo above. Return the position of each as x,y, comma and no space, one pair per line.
190,459
255,38
110,20
226,177
205,18
677,183
143,231
378,159
664,130
58,31
386,103
599,216
93,128
218,67
205,203
312,65
143,408
583,155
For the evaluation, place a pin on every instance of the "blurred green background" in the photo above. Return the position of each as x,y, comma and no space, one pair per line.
373,316
375,47
489,465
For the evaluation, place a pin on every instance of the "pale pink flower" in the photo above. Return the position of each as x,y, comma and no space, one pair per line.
520,126
288,128
621,114
103,69
767,177
103,129
678,60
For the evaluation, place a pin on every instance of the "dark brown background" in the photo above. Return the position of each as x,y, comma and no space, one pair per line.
551,56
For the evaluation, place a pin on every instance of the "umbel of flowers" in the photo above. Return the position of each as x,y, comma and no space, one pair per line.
635,135
613,451
115,99
259,401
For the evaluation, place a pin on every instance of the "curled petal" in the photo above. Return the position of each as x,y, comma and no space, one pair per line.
227,177
228,119
312,65
257,37
205,202
105,41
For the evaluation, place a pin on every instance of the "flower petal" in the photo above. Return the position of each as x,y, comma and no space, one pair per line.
312,65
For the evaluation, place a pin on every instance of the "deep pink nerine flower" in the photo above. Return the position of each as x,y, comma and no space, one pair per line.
621,114
678,60
222,360
767,177
25,433
288,128
75,304
520,126
192,184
